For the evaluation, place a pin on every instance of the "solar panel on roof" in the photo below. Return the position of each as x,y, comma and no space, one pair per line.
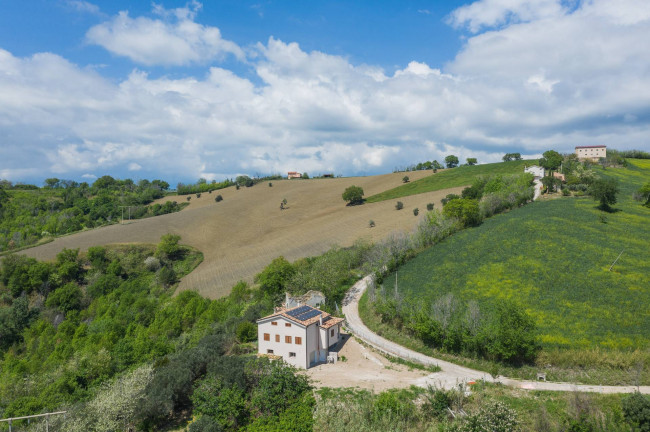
295,312
327,318
309,314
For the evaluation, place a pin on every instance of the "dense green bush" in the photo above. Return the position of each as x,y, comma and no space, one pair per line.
399,205
636,409
353,195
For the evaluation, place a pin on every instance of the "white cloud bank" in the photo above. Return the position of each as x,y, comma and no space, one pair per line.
534,83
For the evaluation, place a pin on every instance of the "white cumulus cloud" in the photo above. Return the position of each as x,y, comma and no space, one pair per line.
172,39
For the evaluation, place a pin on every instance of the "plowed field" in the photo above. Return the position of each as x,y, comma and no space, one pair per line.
241,234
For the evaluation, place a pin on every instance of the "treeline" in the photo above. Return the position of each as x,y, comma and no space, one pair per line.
202,184
65,206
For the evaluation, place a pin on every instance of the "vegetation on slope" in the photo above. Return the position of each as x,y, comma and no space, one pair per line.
551,258
453,177
29,214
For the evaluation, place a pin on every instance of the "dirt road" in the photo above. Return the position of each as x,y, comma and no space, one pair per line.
452,374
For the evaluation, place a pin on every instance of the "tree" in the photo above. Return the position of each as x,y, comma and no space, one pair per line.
353,195
416,211
436,165
511,156
399,205
67,298
405,179
471,161
513,335
274,278
430,207
246,331
466,210
218,198
305,176
168,247
551,183
604,190
451,161
644,194
551,160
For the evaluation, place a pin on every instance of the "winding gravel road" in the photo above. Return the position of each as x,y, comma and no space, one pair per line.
452,374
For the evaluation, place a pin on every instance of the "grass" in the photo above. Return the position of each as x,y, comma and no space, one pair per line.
553,258
449,178
240,235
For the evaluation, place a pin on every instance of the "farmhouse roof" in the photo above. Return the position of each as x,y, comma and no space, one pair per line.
593,146
305,315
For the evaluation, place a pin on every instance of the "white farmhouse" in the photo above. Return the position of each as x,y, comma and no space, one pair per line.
301,335
537,171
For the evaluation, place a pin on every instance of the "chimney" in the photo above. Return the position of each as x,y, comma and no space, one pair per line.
320,318
286,299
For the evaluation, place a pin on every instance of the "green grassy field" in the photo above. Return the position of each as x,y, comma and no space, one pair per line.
449,178
553,257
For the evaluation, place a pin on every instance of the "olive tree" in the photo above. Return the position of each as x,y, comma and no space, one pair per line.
353,195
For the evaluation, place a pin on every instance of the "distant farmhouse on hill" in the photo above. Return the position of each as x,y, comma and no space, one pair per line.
537,171
301,336
592,153
294,174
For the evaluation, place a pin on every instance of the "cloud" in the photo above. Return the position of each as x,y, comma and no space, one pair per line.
490,13
83,7
172,40
581,78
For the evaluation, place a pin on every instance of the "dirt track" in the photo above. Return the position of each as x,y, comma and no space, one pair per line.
242,234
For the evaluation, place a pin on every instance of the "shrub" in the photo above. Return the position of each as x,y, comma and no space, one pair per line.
371,224
168,247
416,211
198,195
152,264
237,186
636,409
353,195
218,198
464,209
246,332
189,198
399,205
493,417
429,206
67,298
270,184
405,179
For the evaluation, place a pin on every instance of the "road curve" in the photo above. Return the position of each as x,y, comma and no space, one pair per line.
452,374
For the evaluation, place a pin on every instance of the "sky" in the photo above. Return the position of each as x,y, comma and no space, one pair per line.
182,90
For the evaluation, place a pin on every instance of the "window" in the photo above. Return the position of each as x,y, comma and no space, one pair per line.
332,333
267,337
274,323
287,339
269,351
292,354
277,338
287,324
298,340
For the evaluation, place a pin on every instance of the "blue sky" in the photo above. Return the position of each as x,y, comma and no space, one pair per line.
182,90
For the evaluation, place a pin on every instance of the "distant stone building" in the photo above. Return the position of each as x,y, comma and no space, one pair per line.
294,174
310,298
591,153
301,336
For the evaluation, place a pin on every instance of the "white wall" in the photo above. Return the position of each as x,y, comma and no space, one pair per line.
282,348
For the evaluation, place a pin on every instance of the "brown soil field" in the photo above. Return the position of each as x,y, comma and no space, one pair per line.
240,235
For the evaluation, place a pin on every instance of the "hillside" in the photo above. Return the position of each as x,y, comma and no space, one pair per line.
449,178
552,258
244,232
